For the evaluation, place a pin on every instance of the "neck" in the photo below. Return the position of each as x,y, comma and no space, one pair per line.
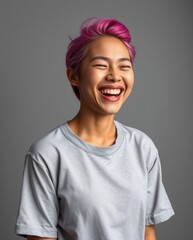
96,130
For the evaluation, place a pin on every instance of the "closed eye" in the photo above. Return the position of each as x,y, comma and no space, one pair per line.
125,67
101,66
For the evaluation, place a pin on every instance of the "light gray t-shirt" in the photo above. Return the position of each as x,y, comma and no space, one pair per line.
74,190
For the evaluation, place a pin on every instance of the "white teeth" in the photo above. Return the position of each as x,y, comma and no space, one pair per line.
111,91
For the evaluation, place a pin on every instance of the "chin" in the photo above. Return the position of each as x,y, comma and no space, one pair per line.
111,111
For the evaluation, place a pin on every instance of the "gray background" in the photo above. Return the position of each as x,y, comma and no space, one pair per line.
35,96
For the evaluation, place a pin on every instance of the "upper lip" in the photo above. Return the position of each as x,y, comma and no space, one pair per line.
111,87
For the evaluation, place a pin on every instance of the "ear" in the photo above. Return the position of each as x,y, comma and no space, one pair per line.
72,77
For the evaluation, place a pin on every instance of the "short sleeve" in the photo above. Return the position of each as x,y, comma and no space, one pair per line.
159,208
38,211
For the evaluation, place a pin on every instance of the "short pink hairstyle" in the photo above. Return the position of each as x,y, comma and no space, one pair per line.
90,30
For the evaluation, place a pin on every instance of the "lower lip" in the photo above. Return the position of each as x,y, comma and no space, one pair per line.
111,98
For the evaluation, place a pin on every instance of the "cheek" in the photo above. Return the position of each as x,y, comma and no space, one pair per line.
87,82
92,78
130,80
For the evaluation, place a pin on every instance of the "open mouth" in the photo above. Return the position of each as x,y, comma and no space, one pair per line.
111,92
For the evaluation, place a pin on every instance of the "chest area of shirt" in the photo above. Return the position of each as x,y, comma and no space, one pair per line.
92,182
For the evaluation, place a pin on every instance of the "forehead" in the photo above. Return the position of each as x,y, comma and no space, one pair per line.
108,46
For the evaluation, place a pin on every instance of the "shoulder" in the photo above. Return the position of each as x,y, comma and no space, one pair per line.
136,135
140,142
46,148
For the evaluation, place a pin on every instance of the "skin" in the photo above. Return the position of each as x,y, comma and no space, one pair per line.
150,233
106,65
96,72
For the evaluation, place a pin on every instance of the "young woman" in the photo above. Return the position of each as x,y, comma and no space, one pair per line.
92,178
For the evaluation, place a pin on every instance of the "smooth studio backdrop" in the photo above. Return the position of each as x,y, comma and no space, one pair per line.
35,96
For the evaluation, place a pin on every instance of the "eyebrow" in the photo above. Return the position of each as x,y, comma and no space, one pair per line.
108,59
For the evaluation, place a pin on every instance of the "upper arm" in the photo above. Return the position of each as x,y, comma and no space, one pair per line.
150,233
39,238
159,208
39,206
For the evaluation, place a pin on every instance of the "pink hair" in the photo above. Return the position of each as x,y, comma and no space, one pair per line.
90,30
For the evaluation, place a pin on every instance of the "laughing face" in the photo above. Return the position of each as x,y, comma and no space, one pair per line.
105,77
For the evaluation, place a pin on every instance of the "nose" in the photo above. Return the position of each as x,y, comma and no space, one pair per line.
113,75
